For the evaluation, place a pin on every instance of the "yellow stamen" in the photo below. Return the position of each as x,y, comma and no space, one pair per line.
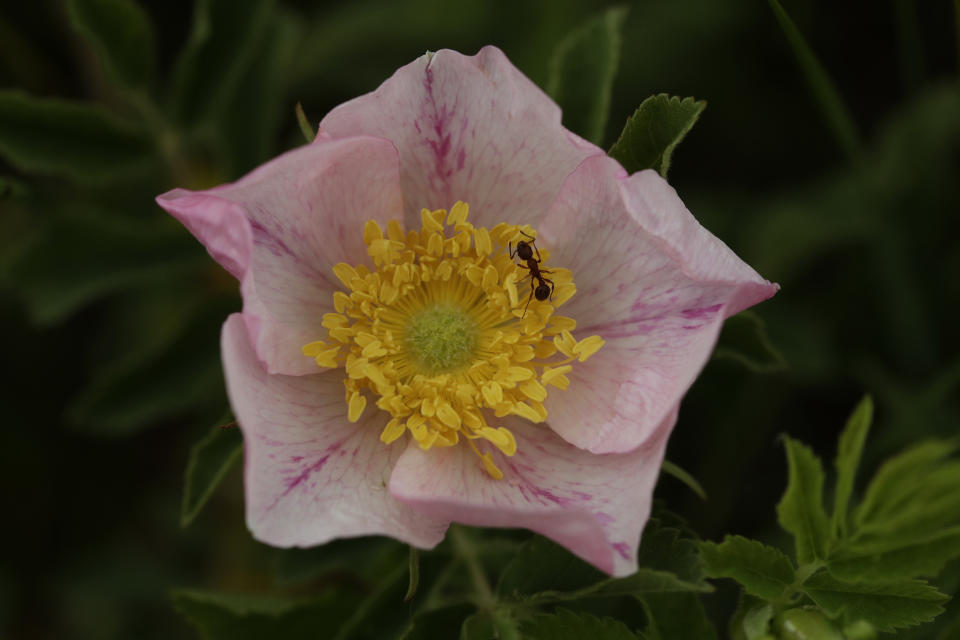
443,336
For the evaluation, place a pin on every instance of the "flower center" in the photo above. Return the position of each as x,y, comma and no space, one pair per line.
441,339
454,326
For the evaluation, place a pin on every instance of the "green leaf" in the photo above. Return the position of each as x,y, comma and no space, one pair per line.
438,623
800,511
896,557
83,256
683,476
763,571
825,94
896,484
224,616
654,131
582,71
72,139
543,571
569,625
677,615
485,625
176,372
744,340
211,459
368,558
305,127
849,450
886,605
414,568
120,33
211,65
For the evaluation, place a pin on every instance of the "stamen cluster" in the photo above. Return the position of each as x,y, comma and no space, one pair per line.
439,332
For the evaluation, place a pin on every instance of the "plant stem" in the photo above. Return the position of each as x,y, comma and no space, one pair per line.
468,553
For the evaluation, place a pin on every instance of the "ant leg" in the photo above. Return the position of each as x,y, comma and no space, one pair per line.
529,298
551,285
510,248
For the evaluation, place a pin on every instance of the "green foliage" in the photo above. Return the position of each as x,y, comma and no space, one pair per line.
654,131
72,139
211,459
681,474
849,452
885,605
58,274
438,623
306,128
582,71
569,625
744,340
824,92
211,66
800,511
763,571
676,615
121,34
220,616
860,571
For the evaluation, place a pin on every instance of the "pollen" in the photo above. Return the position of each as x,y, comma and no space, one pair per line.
446,335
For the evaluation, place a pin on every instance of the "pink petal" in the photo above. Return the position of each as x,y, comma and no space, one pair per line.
468,128
310,475
654,284
594,505
280,230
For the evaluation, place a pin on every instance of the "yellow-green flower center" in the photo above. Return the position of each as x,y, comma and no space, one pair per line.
441,337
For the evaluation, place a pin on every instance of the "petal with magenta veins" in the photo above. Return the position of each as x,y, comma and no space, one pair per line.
468,128
594,505
654,284
310,475
281,228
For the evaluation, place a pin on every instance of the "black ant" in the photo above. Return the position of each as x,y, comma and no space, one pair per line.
524,251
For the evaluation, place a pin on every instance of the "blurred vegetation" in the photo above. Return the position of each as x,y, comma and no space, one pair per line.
110,312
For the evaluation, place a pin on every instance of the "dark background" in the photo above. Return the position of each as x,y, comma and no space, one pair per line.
110,312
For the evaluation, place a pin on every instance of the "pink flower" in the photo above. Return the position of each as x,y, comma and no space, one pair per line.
384,436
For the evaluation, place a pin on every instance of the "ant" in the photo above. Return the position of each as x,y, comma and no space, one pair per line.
524,251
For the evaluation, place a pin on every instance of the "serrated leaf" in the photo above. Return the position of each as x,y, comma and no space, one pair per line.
744,340
896,557
72,139
121,34
582,70
211,65
569,625
684,476
225,616
543,571
763,571
677,615
211,459
825,94
653,132
84,256
886,605
849,451
438,623
897,482
800,511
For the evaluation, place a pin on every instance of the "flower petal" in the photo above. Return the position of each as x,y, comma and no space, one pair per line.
468,128
281,228
594,505
310,475
654,284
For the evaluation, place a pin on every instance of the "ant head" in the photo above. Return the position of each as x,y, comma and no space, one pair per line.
542,292
524,251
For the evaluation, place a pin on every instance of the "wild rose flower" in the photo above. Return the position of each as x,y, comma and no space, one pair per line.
394,368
